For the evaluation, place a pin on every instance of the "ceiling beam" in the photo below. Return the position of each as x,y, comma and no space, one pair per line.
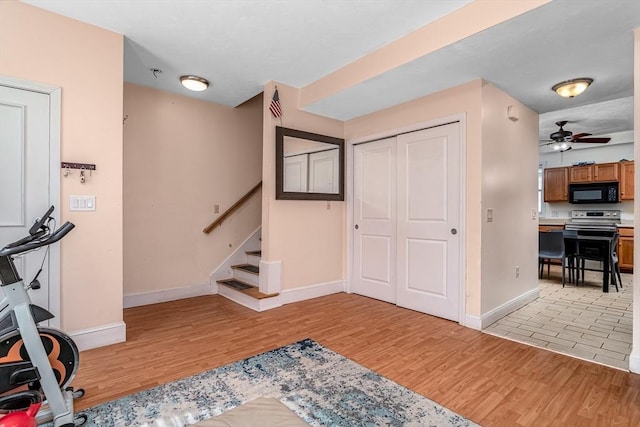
461,23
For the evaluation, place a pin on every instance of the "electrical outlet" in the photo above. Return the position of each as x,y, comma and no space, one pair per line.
534,213
489,215
517,271
216,209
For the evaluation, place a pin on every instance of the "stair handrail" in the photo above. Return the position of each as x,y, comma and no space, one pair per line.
232,209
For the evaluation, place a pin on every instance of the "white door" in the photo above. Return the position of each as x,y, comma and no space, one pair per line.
428,221
374,220
323,172
295,173
406,213
24,176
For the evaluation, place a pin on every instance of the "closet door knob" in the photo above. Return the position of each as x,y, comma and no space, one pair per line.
357,226
454,231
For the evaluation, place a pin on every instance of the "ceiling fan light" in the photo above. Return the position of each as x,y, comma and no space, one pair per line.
573,87
194,83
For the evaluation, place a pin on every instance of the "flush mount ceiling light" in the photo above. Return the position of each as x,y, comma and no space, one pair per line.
195,83
573,87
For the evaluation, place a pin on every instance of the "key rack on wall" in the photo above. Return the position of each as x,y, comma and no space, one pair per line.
67,166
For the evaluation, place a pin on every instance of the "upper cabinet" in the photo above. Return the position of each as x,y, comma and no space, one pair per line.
556,181
581,174
601,172
606,172
627,186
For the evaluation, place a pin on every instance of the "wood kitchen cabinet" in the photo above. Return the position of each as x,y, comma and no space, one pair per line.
606,172
581,174
599,172
556,182
625,249
550,227
627,186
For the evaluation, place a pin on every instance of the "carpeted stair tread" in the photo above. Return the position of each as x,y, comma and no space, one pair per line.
254,253
235,284
245,288
248,268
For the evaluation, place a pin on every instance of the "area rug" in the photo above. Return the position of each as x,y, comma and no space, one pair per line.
319,385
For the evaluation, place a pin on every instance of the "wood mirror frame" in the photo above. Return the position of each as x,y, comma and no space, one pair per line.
281,194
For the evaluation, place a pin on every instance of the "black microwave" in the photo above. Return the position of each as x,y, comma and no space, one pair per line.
597,192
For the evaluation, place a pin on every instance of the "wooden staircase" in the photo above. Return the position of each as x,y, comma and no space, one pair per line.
243,287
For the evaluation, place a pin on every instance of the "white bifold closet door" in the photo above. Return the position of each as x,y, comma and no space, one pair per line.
406,220
374,244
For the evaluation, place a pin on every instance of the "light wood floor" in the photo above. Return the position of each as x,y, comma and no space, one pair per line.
488,379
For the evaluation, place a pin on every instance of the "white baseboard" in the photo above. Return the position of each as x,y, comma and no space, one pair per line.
286,297
249,302
87,339
634,362
473,322
497,313
314,291
164,295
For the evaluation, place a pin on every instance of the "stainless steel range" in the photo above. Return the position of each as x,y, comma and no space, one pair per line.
594,220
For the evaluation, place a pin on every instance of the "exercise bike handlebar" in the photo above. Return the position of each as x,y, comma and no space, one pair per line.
36,241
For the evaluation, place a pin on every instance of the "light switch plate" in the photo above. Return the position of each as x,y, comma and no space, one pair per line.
82,203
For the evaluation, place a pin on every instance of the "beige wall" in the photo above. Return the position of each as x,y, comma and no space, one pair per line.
86,62
182,157
509,188
634,359
464,99
306,235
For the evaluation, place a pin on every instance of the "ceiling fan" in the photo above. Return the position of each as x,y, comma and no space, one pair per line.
561,139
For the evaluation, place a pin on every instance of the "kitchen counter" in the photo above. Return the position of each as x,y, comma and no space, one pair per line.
626,223
552,221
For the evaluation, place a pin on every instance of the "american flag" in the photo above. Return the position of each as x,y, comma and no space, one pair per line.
274,107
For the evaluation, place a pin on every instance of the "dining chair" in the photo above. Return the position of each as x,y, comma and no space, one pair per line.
587,251
572,254
551,246
615,265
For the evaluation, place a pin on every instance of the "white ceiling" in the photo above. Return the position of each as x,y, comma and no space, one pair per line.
239,45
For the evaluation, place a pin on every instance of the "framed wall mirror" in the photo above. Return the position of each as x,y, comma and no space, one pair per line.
309,166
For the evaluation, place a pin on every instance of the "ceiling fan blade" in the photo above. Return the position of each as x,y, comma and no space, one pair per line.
579,135
592,140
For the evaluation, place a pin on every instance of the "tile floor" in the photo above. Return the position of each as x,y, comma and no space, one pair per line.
579,321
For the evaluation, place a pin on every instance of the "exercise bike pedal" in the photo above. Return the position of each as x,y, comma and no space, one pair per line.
77,394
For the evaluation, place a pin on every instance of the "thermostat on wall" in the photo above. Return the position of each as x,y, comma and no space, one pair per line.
513,113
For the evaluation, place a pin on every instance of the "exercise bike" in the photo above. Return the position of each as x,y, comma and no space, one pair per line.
36,362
